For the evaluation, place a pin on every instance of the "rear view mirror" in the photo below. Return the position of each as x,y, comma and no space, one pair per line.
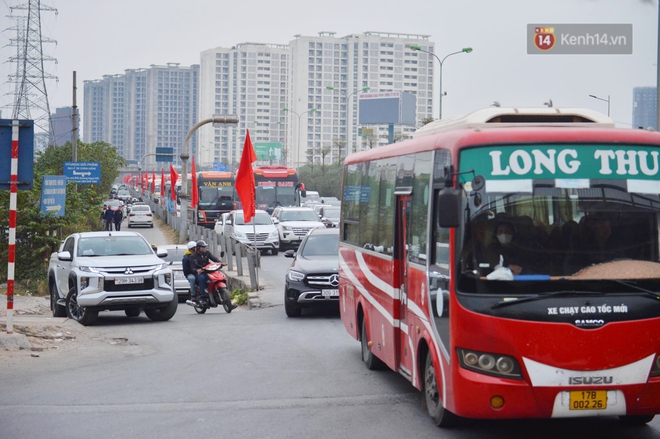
448,207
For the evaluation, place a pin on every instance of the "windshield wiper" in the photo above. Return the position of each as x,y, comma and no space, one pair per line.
517,300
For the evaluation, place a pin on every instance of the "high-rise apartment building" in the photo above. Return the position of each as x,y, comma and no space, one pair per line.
250,81
62,121
304,95
142,110
645,110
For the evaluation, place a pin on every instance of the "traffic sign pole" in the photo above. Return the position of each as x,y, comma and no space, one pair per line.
13,193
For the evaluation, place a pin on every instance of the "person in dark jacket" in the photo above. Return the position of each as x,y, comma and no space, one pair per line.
198,261
109,218
118,217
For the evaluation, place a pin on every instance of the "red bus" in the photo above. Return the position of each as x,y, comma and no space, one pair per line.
507,264
276,186
216,196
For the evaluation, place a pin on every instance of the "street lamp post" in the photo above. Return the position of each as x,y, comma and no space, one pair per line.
604,100
311,110
348,96
441,61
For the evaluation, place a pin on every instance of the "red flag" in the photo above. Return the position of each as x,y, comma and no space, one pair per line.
245,179
153,182
195,190
174,177
162,184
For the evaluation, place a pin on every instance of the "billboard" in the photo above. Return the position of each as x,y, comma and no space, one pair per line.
393,107
267,151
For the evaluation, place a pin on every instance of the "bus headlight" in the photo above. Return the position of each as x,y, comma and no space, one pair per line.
489,364
655,370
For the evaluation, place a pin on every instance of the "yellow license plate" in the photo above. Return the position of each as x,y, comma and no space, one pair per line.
588,400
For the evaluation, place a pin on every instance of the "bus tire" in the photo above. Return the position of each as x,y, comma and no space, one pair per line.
636,419
440,416
370,360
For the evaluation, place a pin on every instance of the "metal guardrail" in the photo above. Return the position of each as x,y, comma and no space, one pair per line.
234,251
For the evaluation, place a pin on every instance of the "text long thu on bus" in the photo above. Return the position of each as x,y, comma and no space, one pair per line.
507,264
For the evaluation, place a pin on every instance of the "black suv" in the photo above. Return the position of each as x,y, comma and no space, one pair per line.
313,278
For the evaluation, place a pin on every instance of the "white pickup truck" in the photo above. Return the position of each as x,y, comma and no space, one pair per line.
99,271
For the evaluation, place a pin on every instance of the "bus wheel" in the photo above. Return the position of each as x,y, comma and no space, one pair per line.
370,360
439,415
636,420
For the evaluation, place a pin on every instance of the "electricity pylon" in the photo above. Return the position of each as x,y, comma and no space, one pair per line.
30,94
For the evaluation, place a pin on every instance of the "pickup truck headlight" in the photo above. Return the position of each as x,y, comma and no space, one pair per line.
240,235
89,269
286,228
274,234
161,266
296,276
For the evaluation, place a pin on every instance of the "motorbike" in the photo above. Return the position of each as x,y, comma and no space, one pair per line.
216,289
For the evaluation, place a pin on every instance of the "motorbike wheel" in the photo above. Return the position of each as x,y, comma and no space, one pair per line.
199,309
226,300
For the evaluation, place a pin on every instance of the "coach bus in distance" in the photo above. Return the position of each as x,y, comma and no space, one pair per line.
216,196
276,186
507,264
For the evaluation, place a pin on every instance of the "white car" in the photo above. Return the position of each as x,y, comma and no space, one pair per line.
267,236
140,216
113,271
294,223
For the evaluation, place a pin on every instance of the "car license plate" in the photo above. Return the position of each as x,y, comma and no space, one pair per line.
330,293
129,280
588,400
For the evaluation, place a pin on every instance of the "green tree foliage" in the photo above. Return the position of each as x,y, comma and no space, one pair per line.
38,235
326,183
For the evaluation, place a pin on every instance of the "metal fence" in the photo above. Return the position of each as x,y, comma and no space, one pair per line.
235,254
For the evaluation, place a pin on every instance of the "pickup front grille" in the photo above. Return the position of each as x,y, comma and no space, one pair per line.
109,285
301,231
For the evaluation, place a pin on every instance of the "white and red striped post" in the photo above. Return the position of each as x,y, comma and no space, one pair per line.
13,189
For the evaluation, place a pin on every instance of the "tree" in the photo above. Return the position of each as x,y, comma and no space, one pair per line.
340,144
371,140
427,120
38,235
324,151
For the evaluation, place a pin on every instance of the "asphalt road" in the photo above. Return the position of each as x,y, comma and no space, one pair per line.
248,374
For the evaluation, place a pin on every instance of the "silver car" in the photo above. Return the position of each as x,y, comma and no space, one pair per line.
174,256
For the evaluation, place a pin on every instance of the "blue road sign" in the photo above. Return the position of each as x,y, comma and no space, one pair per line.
218,166
53,195
164,154
83,172
25,154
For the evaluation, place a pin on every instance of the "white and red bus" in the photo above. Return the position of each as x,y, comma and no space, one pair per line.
276,186
217,195
507,264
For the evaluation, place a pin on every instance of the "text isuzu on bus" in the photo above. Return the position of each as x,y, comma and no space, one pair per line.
507,263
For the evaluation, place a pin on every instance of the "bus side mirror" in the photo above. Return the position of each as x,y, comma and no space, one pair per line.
448,207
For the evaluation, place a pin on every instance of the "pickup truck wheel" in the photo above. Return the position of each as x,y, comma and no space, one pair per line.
274,251
76,312
164,313
57,309
132,312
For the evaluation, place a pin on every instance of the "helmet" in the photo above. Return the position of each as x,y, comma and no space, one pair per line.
201,243
192,245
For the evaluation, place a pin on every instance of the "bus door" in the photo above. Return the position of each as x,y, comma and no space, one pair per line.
401,280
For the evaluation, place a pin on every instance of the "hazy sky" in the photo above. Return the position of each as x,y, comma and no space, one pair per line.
97,37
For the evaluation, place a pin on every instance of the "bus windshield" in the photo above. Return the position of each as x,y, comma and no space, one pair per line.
560,231
220,197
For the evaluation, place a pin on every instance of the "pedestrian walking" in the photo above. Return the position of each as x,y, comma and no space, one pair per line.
109,218
119,217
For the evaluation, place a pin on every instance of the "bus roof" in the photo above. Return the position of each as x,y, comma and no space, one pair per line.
505,117
274,171
214,174
458,135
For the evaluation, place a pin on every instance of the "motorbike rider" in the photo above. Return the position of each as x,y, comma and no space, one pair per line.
198,261
187,268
